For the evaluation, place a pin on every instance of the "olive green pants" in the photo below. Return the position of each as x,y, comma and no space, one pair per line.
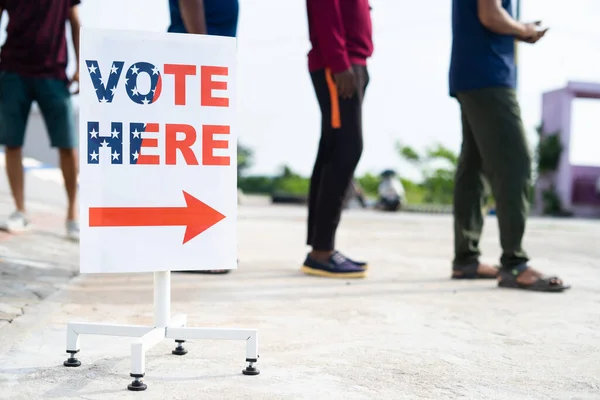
495,147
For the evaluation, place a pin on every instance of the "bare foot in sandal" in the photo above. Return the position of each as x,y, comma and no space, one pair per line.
475,271
527,278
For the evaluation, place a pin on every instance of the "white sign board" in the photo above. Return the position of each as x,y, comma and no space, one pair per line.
158,154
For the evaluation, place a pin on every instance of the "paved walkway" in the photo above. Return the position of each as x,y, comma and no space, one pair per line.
405,332
36,264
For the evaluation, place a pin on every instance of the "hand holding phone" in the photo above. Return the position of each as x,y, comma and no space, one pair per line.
532,32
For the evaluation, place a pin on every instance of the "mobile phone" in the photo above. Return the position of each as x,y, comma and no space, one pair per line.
541,28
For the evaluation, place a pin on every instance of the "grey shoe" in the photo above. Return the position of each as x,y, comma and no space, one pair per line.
73,230
17,222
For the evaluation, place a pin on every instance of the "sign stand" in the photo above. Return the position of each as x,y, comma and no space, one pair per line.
139,123
164,327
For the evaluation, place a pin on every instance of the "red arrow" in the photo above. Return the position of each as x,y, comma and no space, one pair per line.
195,216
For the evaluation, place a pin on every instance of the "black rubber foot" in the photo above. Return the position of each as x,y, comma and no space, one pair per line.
72,362
250,371
137,386
179,350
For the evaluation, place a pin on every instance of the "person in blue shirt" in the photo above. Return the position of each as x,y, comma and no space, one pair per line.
205,17
483,80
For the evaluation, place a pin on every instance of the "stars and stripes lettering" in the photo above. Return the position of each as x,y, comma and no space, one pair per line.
137,141
106,141
105,87
131,83
149,143
171,140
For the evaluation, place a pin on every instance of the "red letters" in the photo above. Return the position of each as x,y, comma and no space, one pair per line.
180,72
157,90
209,144
149,142
208,85
172,144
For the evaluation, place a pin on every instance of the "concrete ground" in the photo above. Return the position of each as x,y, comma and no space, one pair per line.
405,332
36,264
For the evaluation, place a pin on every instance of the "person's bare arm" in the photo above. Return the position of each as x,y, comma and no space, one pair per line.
496,19
75,27
192,13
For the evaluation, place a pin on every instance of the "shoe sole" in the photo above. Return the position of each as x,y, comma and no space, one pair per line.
26,228
326,274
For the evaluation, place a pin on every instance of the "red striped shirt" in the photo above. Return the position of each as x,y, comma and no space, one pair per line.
36,44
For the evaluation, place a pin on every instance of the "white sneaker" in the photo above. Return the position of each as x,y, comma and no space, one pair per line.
17,222
73,230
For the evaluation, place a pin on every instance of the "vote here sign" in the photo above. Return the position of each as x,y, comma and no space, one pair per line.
158,176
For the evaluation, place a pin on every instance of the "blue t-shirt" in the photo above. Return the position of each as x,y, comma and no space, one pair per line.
221,17
480,57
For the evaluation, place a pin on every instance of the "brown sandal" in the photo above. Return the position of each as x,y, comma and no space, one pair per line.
551,284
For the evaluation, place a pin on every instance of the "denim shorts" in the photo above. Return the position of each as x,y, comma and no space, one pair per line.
18,92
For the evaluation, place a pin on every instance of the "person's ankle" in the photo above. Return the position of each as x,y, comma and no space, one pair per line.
320,255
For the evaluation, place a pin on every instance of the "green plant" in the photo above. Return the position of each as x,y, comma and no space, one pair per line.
289,182
294,185
439,152
438,182
408,153
552,203
256,184
244,159
439,187
415,193
548,152
369,184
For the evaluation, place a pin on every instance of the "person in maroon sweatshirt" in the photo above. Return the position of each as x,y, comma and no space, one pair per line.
340,33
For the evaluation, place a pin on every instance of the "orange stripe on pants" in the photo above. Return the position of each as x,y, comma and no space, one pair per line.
336,121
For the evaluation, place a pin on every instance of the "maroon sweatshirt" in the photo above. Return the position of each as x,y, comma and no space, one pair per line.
340,34
36,44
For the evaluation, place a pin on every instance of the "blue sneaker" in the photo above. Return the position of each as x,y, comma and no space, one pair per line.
337,267
361,264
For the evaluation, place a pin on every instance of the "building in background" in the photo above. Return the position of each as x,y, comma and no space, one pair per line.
566,185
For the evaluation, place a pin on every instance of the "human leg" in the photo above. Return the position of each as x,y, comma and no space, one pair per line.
500,137
15,104
68,166
342,157
468,217
16,175
55,103
498,131
339,152
323,153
